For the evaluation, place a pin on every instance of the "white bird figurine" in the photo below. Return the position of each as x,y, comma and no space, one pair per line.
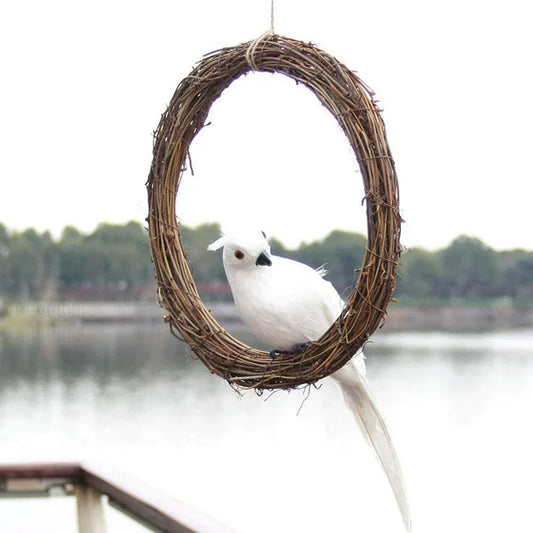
285,304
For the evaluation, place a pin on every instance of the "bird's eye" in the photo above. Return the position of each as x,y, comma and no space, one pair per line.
239,254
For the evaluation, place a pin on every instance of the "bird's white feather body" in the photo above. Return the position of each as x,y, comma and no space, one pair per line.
285,303
279,313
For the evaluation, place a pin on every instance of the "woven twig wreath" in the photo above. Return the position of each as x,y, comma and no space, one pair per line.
352,104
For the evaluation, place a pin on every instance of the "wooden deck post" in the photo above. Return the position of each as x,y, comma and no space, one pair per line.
89,509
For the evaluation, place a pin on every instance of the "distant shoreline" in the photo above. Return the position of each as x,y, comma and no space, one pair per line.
455,316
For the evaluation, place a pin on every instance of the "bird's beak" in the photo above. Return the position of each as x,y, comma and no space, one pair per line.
263,260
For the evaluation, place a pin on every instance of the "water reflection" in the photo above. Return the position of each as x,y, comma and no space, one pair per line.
101,351
132,397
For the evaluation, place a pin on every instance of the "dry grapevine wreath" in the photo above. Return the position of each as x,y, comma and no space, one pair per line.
351,102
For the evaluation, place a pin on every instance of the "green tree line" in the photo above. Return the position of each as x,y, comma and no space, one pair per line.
113,262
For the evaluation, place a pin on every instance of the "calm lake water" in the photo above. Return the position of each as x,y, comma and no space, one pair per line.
459,407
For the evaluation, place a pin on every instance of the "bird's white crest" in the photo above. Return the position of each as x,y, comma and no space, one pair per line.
244,238
219,243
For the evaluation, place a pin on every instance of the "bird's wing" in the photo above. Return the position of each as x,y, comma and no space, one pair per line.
306,298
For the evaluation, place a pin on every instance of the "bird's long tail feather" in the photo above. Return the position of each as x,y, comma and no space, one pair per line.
357,395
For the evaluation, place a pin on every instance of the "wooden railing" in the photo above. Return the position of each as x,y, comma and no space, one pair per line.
155,510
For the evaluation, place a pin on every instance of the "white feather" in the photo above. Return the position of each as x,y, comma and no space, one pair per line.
358,397
288,303
219,243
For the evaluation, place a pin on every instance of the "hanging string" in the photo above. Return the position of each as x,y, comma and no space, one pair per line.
253,45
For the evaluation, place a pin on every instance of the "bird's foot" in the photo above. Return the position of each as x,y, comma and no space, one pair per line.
297,348
275,353
300,347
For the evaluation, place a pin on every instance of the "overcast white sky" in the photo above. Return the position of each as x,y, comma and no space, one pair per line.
84,84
